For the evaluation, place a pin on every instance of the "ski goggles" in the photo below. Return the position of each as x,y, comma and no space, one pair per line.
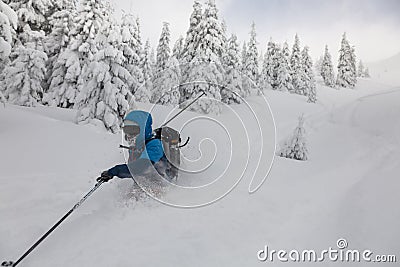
130,128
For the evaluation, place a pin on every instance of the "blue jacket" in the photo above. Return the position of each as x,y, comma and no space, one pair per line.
152,151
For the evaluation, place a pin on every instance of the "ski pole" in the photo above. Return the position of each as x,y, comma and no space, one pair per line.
13,264
191,103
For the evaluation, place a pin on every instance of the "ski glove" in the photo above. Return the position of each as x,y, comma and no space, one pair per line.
105,177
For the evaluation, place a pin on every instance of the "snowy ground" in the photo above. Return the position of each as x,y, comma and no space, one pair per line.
348,189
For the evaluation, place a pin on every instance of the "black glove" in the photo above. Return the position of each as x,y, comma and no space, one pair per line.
105,177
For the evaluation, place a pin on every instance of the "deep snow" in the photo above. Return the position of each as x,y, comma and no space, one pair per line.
348,188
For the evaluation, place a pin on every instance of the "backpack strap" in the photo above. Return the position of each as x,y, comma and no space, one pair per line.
156,135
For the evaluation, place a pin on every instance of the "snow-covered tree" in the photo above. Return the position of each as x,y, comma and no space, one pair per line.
308,76
163,48
23,77
143,93
163,56
191,41
33,13
2,98
327,69
295,147
224,32
269,72
250,67
105,94
169,94
297,68
71,65
61,23
232,91
153,59
138,34
206,64
207,77
211,35
284,79
243,56
353,64
318,65
178,49
366,73
346,76
264,82
224,29
360,69
275,72
130,47
8,24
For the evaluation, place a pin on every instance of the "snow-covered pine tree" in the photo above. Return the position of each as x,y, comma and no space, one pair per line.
353,65
163,48
32,13
8,24
243,56
2,98
138,36
143,93
295,147
327,69
366,73
191,41
169,94
163,56
62,88
61,23
211,35
297,68
232,90
318,65
224,29
308,76
250,67
264,82
153,59
284,79
23,77
178,49
206,65
92,17
269,72
130,47
105,94
346,76
360,69
71,65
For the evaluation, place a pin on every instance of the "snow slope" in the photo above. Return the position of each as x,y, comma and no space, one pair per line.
386,71
348,188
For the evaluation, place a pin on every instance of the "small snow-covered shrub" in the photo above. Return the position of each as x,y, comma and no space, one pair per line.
295,147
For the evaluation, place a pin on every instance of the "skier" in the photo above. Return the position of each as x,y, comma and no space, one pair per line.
146,153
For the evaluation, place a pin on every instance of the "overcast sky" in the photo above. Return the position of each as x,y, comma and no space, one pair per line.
373,26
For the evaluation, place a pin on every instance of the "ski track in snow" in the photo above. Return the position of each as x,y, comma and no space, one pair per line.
348,189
